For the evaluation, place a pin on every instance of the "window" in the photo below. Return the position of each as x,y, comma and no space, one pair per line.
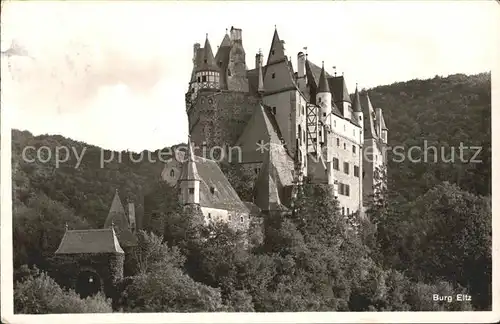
364,174
204,78
324,114
341,188
228,72
205,61
303,110
241,219
319,100
336,164
191,191
257,170
319,133
212,190
347,211
345,146
209,216
338,141
343,211
273,75
354,149
199,79
229,217
346,189
172,173
272,52
356,171
220,63
346,168
376,156
274,110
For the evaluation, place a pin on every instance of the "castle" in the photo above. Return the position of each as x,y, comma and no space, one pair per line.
279,125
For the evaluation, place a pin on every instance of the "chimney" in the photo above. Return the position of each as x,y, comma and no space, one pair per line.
131,216
301,65
196,47
236,35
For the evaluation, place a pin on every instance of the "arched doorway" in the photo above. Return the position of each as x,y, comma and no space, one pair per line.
88,283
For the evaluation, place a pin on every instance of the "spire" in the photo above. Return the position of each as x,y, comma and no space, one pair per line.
323,84
189,170
356,104
277,52
226,41
116,215
208,60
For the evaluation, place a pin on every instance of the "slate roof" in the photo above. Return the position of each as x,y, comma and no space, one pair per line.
207,62
253,208
368,120
323,84
313,73
356,104
189,170
277,46
89,241
275,175
120,222
339,89
117,214
224,197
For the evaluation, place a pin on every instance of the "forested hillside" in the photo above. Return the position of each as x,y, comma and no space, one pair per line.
432,235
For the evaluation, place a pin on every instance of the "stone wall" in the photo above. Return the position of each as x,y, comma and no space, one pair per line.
219,118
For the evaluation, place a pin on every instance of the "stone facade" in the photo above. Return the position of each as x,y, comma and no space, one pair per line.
309,112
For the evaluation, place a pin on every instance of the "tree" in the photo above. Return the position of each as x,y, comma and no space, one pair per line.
39,294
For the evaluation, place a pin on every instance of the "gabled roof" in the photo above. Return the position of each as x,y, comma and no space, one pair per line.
339,89
323,84
275,175
225,41
224,196
263,122
89,241
313,73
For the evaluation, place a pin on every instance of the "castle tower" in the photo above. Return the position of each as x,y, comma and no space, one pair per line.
189,180
205,73
324,95
237,69
301,71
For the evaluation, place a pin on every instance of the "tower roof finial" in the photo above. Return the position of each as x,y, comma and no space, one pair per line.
226,31
206,35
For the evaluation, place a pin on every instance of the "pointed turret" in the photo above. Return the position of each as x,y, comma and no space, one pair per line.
369,114
323,84
207,57
277,51
189,179
323,95
356,107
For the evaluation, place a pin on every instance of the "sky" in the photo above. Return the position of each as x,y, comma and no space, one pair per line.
114,74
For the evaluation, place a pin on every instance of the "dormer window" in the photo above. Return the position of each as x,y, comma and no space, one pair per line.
272,52
212,190
204,61
191,191
273,75
241,219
